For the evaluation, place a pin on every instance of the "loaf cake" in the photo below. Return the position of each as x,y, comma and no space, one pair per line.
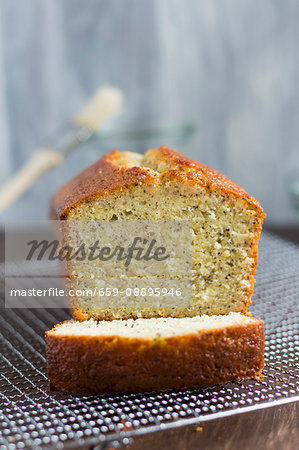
163,184
153,354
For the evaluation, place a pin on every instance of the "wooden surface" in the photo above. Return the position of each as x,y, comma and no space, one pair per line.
275,428
231,68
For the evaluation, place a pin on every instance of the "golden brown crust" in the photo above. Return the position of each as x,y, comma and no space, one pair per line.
106,176
181,166
105,364
79,315
99,179
254,256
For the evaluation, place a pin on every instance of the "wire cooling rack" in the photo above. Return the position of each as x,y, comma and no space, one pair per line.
31,417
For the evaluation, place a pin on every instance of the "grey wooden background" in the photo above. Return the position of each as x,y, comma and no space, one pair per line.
230,67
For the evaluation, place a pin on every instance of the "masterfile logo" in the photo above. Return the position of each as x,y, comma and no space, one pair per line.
140,249
113,264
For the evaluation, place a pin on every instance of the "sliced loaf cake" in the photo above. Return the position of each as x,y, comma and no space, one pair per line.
153,354
165,185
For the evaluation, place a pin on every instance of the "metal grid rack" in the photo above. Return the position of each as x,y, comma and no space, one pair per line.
31,417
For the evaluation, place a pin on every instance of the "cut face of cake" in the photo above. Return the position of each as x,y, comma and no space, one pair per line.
165,185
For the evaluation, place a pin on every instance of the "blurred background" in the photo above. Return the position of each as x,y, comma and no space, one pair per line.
216,80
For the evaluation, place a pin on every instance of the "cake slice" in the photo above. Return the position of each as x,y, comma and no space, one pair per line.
163,184
154,354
